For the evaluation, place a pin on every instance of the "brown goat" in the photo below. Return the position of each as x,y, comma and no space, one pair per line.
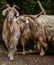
41,29
11,31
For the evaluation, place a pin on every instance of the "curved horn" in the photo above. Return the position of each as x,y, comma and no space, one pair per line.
39,14
16,6
5,6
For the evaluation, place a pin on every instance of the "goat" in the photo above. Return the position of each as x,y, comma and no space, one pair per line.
39,28
11,30
24,28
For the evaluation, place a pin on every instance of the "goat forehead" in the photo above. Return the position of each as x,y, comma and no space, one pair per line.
11,11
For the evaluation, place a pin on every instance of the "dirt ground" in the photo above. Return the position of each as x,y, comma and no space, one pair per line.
28,59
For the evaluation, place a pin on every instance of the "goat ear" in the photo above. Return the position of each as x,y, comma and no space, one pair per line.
17,14
4,12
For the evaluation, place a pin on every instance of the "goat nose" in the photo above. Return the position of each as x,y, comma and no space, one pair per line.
11,19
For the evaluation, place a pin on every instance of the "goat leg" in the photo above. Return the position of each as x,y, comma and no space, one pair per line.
42,52
23,44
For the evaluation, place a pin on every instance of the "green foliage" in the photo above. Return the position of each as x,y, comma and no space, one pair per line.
48,11
29,6
2,3
35,45
48,6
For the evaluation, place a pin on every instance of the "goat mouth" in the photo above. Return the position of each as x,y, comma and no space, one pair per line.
10,19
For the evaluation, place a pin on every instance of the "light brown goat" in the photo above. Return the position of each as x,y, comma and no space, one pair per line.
11,31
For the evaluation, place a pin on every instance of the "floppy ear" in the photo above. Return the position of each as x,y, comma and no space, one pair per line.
4,12
17,13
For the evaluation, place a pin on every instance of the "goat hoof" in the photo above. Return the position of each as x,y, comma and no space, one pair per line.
15,49
42,54
23,53
11,58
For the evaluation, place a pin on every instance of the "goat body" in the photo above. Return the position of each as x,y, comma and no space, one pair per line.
11,36
41,29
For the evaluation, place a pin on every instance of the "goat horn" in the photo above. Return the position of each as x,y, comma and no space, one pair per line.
16,6
39,14
5,6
